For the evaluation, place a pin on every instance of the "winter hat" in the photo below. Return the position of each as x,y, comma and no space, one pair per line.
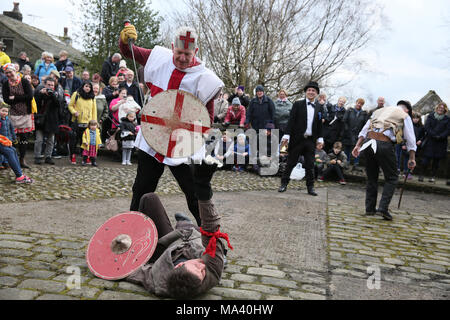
259,88
236,101
270,126
241,87
69,68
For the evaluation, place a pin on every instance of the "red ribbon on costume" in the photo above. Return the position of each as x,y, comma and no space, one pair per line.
211,248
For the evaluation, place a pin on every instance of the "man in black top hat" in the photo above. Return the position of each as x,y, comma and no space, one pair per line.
303,131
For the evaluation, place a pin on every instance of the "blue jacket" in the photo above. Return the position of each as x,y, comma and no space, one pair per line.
7,129
42,71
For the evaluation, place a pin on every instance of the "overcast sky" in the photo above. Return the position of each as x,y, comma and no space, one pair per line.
406,64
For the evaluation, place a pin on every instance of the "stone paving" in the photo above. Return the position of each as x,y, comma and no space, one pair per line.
412,252
35,266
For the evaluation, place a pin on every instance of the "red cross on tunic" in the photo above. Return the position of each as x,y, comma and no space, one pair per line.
174,123
187,39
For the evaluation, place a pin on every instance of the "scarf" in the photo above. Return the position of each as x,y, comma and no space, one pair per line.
15,82
439,117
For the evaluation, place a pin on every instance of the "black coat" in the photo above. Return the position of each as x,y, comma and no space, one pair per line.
353,124
108,91
336,127
76,84
126,125
109,69
260,113
48,105
22,62
62,65
436,133
298,123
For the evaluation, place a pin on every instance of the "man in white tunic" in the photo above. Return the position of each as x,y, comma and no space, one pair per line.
166,69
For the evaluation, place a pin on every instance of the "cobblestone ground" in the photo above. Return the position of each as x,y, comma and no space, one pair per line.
413,250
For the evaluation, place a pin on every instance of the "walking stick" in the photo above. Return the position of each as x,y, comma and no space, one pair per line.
130,44
403,188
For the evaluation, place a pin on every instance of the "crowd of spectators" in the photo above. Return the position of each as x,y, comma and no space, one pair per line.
342,122
65,114
70,115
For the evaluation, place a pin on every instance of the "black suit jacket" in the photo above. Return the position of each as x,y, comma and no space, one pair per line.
298,122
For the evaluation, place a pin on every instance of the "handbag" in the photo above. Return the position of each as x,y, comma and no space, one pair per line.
111,143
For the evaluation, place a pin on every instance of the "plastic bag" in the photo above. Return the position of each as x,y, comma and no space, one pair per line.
298,173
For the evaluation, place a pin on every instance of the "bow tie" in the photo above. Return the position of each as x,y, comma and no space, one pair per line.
311,104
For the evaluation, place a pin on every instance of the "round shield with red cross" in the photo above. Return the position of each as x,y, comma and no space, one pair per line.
121,245
173,123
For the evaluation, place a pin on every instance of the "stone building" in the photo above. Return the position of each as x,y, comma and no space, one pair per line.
19,36
427,103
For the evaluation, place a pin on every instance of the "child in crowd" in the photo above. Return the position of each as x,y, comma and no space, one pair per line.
235,114
130,105
90,143
128,135
6,130
8,153
241,153
223,151
321,158
336,163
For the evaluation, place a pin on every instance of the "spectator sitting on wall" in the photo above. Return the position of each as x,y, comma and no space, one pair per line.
235,114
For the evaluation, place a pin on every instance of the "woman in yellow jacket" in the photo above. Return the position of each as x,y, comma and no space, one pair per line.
83,108
90,143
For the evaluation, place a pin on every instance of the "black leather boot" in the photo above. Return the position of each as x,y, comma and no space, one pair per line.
311,191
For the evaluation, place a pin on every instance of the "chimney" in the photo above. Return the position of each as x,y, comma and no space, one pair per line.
66,39
15,13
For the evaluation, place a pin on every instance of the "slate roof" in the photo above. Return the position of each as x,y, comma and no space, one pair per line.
428,102
40,38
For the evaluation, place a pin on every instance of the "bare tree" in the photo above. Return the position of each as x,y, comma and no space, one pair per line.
281,43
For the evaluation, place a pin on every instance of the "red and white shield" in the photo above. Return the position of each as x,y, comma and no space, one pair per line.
121,245
173,123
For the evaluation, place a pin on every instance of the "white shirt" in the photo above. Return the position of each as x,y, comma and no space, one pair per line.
309,117
408,133
310,109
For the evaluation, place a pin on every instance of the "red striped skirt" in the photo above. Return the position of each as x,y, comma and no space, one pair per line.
92,152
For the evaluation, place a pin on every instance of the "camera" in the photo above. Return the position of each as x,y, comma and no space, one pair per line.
50,91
